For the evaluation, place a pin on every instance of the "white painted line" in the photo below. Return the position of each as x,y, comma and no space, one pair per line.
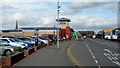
94,57
92,54
108,50
115,58
116,46
99,66
96,61
108,54
97,41
109,58
116,62
105,54
112,54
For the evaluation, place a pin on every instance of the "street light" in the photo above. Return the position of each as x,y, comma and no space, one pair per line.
58,11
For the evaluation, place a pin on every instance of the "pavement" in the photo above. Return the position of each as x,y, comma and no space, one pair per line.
49,56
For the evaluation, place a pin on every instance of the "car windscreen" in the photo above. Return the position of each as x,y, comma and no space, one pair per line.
24,39
12,40
17,40
42,38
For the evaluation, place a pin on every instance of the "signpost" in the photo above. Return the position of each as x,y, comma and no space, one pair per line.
75,33
36,32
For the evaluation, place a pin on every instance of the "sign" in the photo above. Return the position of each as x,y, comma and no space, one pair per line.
58,30
43,35
107,30
76,33
36,32
62,22
67,36
67,31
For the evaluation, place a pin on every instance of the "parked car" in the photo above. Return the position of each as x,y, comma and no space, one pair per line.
49,40
40,43
56,39
27,40
7,49
17,48
43,40
19,41
61,38
13,42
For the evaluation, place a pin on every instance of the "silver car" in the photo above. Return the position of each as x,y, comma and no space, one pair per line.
6,50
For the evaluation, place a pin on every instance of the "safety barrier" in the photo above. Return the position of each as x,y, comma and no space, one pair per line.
10,60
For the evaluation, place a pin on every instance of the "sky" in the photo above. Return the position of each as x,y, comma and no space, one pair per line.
84,15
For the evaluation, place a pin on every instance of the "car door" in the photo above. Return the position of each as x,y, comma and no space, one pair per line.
1,49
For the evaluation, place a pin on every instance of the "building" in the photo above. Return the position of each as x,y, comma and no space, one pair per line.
11,33
65,30
39,31
47,31
89,33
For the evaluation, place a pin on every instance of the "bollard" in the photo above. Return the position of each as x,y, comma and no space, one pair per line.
35,49
52,43
42,46
31,50
47,44
26,53
38,47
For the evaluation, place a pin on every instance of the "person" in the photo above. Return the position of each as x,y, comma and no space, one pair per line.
36,41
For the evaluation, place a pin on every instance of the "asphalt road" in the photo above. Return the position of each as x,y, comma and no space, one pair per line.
97,53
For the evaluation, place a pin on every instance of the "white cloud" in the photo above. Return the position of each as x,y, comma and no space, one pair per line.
60,0
17,16
75,7
47,18
112,6
88,23
23,7
31,19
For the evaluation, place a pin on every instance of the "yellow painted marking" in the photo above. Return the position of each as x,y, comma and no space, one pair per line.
71,56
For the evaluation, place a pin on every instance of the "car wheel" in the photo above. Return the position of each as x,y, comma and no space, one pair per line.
8,52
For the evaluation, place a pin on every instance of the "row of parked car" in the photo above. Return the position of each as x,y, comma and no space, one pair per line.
9,45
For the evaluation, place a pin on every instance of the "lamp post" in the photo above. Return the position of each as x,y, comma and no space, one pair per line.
58,11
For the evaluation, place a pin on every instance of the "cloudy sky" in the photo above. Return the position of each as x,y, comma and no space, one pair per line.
84,15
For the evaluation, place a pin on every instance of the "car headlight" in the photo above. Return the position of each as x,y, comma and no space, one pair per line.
13,49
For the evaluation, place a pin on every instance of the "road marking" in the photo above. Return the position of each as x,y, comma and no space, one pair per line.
96,61
109,58
113,57
115,45
92,55
71,56
98,42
